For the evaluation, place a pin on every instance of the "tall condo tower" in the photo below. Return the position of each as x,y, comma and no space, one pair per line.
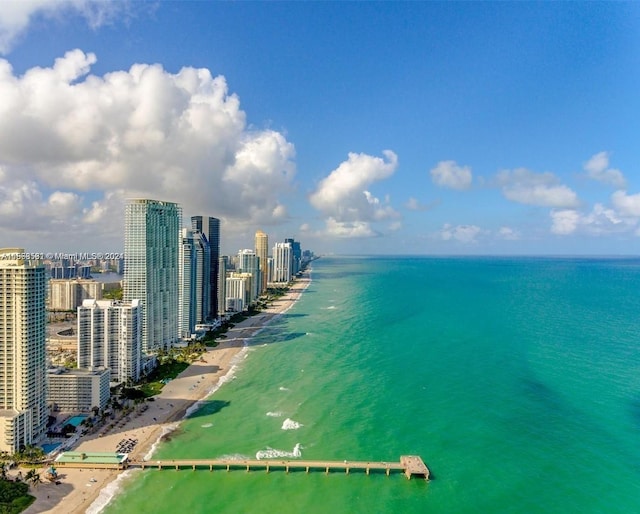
296,254
262,251
109,334
151,248
248,262
194,275
23,363
282,262
210,227
223,264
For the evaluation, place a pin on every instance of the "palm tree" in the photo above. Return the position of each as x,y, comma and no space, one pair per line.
32,477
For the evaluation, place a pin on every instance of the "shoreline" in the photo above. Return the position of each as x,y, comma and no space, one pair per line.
91,490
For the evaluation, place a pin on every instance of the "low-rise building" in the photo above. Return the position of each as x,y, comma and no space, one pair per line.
78,390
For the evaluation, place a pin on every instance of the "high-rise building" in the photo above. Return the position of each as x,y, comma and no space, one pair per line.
151,248
210,227
68,294
248,262
109,336
23,363
194,276
282,263
262,251
223,265
296,255
238,286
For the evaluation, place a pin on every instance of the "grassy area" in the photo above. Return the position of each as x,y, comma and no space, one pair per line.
14,497
166,371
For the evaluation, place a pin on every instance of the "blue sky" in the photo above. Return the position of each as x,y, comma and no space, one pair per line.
364,127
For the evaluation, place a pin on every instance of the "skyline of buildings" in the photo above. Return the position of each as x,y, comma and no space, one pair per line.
168,292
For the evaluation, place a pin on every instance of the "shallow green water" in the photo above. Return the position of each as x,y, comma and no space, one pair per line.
517,381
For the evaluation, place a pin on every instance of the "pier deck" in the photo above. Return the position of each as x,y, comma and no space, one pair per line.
410,465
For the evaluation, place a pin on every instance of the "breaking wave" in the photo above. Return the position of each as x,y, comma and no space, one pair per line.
110,491
274,414
289,424
271,453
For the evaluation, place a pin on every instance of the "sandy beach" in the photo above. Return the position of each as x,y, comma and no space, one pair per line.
88,490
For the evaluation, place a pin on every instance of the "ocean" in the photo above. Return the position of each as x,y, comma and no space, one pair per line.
517,380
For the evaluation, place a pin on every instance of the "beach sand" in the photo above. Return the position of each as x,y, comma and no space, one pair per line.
79,489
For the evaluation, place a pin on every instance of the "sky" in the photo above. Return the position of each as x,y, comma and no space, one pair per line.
470,128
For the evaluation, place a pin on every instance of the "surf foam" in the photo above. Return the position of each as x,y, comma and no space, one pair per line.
289,424
271,453
110,491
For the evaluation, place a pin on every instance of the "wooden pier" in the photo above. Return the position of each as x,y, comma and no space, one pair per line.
410,465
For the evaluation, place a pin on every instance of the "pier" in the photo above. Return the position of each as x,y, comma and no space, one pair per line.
410,465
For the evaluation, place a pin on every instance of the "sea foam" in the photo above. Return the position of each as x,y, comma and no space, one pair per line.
274,414
271,453
109,491
289,424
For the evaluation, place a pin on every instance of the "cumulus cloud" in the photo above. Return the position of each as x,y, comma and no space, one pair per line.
601,220
15,16
349,229
564,221
626,205
344,199
138,133
598,169
466,234
450,174
539,189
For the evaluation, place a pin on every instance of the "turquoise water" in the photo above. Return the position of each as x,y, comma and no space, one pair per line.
49,447
75,420
516,380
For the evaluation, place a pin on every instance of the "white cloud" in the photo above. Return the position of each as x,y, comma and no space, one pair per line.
24,205
349,229
600,221
466,234
598,169
564,221
345,201
627,205
449,174
508,234
540,189
138,133
15,16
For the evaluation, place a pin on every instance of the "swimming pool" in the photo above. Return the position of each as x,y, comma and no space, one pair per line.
49,447
75,420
